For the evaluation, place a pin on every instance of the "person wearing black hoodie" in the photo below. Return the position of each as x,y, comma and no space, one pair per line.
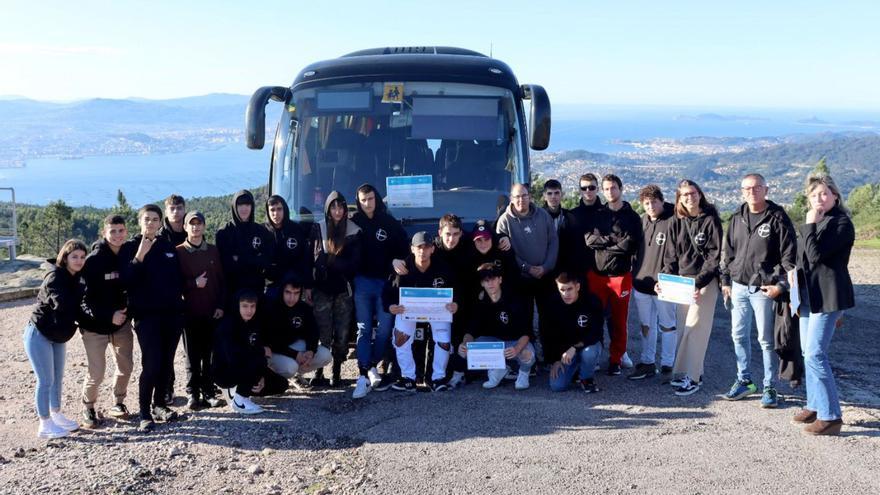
52,324
615,242
291,333
104,321
693,249
172,231
657,221
574,340
760,247
246,248
585,215
290,253
151,274
382,241
337,253
239,364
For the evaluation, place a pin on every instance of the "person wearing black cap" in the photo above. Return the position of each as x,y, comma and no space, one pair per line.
240,364
421,271
291,334
151,274
501,317
383,239
246,248
337,251
291,253
203,296
574,337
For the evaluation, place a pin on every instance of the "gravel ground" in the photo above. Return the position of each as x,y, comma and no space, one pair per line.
631,437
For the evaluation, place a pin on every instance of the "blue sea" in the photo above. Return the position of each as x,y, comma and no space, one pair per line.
147,178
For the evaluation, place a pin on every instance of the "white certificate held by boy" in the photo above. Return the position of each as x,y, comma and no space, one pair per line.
676,289
426,304
485,356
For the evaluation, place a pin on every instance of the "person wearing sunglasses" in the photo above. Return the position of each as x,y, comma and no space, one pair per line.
759,249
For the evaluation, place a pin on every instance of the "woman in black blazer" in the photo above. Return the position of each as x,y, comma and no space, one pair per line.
825,291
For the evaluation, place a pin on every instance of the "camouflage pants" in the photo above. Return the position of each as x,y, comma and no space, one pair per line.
333,314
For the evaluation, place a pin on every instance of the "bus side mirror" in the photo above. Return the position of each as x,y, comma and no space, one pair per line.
255,117
539,117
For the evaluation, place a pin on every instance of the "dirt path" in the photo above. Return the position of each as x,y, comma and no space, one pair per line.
631,437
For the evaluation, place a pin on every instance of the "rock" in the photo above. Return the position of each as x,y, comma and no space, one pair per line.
175,451
328,469
19,452
255,469
267,451
273,490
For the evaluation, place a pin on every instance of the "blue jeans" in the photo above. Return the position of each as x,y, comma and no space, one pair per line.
816,332
745,305
368,305
584,365
47,359
526,358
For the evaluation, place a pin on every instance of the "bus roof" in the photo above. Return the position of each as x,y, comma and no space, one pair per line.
446,64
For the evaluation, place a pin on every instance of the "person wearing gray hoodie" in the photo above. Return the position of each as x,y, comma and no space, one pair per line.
535,243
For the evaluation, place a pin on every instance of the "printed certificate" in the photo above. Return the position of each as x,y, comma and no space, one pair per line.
414,191
425,304
485,356
676,289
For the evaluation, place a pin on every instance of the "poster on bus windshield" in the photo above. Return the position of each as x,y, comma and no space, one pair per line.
413,191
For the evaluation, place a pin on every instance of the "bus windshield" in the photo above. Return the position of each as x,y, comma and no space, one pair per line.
430,148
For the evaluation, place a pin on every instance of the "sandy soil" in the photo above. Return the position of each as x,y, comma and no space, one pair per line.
629,438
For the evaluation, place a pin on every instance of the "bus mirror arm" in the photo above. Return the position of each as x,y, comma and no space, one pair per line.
255,116
539,117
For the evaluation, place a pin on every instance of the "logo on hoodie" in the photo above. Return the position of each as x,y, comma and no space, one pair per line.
256,242
503,317
439,282
291,243
660,239
700,238
582,321
528,229
381,235
296,322
764,231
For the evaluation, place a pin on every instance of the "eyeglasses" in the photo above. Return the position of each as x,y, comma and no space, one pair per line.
589,188
519,196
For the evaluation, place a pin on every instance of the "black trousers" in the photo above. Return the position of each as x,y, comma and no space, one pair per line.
198,338
273,384
157,338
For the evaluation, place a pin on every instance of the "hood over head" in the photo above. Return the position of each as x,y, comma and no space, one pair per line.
366,187
243,197
277,199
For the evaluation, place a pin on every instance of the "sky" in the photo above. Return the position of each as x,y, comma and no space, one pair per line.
780,54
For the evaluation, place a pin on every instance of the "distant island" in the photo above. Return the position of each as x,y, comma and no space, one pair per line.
709,117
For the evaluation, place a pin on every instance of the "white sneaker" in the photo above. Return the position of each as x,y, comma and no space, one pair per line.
457,379
250,407
63,422
375,378
625,361
522,381
362,388
495,377
48,429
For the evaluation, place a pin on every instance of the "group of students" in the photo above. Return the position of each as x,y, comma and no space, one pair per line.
273,302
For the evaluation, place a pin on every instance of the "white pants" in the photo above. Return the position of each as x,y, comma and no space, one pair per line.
652,312
442,333
287,367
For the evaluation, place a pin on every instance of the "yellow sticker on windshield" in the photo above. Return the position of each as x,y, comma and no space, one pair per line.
393,93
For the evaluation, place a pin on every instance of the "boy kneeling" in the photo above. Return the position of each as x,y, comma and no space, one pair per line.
293,336
240,358
575,336
501,317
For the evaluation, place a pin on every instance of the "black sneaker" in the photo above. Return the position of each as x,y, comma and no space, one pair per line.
405,385
318,380
163,413
193,403
386,383
90,418
119,411
642,371
613,370
169,397
439,386
213,401
588,385
146,425
687,387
